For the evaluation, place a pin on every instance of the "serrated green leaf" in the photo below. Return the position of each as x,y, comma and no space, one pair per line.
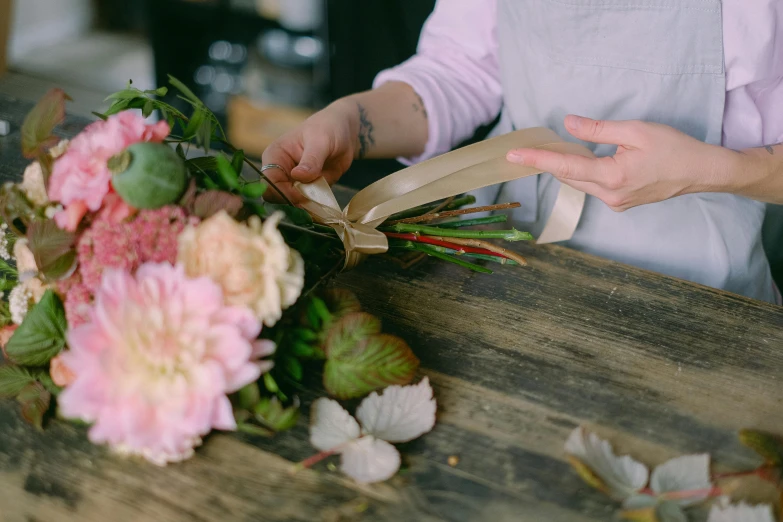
341,302
40,122
41,335
35,401
12,380
768,445
54,249
355,369
271,413
348,331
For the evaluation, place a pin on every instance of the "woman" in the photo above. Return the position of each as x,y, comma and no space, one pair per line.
686,99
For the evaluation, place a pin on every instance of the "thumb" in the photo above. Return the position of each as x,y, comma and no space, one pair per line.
312,162
602,131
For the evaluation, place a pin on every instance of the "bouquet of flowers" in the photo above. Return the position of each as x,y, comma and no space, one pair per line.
156,296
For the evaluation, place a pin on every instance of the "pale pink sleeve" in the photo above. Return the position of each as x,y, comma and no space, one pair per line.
753,42
455,72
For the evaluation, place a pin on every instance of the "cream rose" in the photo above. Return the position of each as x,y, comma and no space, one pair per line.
251,263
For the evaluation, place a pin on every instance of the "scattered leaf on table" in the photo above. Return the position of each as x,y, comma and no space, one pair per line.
400,414
623,476
686,473
346,332
341,302
741,512
40,122
377,361
768,445
330,425
41,335
368,460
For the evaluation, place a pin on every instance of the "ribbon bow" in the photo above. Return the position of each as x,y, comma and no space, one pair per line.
460,171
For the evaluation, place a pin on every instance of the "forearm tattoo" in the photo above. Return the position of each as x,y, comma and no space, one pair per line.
366,139
419,107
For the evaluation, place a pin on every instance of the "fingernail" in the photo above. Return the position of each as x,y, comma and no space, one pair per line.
304,168
573,122
515,158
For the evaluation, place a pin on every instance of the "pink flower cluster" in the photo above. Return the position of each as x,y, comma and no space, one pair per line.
150,236
81,178
152,367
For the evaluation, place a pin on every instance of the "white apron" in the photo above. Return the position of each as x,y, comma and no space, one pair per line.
658,61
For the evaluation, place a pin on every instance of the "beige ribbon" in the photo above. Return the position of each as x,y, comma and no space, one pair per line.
463,170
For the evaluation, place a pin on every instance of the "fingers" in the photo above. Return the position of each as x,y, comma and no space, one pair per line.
563,166
316,151
276,154
603,131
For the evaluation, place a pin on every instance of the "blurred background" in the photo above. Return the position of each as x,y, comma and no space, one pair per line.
262,66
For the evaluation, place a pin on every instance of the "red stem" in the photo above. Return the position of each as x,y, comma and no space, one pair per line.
710,492
431,241
760,471
313,460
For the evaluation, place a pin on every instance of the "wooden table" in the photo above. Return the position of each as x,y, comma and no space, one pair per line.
517,359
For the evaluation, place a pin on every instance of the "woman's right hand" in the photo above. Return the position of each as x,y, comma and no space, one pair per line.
324,145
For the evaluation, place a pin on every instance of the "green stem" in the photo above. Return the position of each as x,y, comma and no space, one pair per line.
500,218
508,235
427,249
410,245
418,211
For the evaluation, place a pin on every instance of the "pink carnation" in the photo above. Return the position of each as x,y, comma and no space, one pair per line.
81,178
152,367
150,236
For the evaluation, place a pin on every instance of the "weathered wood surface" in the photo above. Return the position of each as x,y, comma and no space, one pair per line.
517,360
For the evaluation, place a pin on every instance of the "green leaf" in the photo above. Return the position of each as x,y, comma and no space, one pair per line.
99,115
303,350
41,335
35,401
40,122
293,368
238,160
252,429
341,302
254,190
53,248
194,124
270,384
146,111
768,445
46,380
12,380
118,106
228,176
211,202
204,135
360,360
349,331
202,164
125,94
318,314
248,396
181,87
270,412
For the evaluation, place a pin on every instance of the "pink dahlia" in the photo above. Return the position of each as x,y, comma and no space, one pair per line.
152,367
81,178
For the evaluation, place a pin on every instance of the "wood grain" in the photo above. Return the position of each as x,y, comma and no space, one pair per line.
5,33
517,359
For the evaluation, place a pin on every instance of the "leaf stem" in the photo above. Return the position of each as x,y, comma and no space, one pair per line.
422,211
258,171
431,251
507,235
439,242
760,471
313,460
688,493
500,218
393,220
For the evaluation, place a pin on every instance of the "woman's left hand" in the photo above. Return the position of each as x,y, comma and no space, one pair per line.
653,162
